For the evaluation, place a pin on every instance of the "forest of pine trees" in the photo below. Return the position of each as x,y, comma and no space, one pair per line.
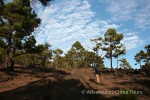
17,43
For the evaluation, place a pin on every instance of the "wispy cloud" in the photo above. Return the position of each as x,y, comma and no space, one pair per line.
122,10
142,18
125,10
69,21
132,40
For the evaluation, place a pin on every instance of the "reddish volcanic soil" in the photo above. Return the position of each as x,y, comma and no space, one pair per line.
71,84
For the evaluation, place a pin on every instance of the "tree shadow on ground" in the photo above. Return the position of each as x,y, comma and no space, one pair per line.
92,80
59,89
143,82
47,90
35,72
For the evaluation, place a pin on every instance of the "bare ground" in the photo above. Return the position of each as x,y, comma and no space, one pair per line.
69,84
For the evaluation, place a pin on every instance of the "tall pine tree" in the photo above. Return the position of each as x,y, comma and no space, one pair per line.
16,27
111,40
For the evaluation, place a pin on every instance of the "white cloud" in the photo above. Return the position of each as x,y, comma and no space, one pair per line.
142,18
69,21
62,25
130,34
130,10
132,40
120,9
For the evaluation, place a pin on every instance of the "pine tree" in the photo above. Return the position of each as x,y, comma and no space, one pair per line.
18,23
119,50
139,57
40,55
98,47
147,47
124,64
143,57
57,60
75,56
111,40
45,55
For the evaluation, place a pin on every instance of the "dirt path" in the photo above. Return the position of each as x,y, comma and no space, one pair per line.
39,84
55,85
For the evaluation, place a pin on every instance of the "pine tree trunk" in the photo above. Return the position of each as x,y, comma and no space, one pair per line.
111,60
111,63
110,57
117,62
10,57
12,64
140,65
43,62
10,61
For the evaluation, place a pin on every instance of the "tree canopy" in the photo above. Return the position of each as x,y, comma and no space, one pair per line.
18,42
124,64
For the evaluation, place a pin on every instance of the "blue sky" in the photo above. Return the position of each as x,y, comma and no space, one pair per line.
67,21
